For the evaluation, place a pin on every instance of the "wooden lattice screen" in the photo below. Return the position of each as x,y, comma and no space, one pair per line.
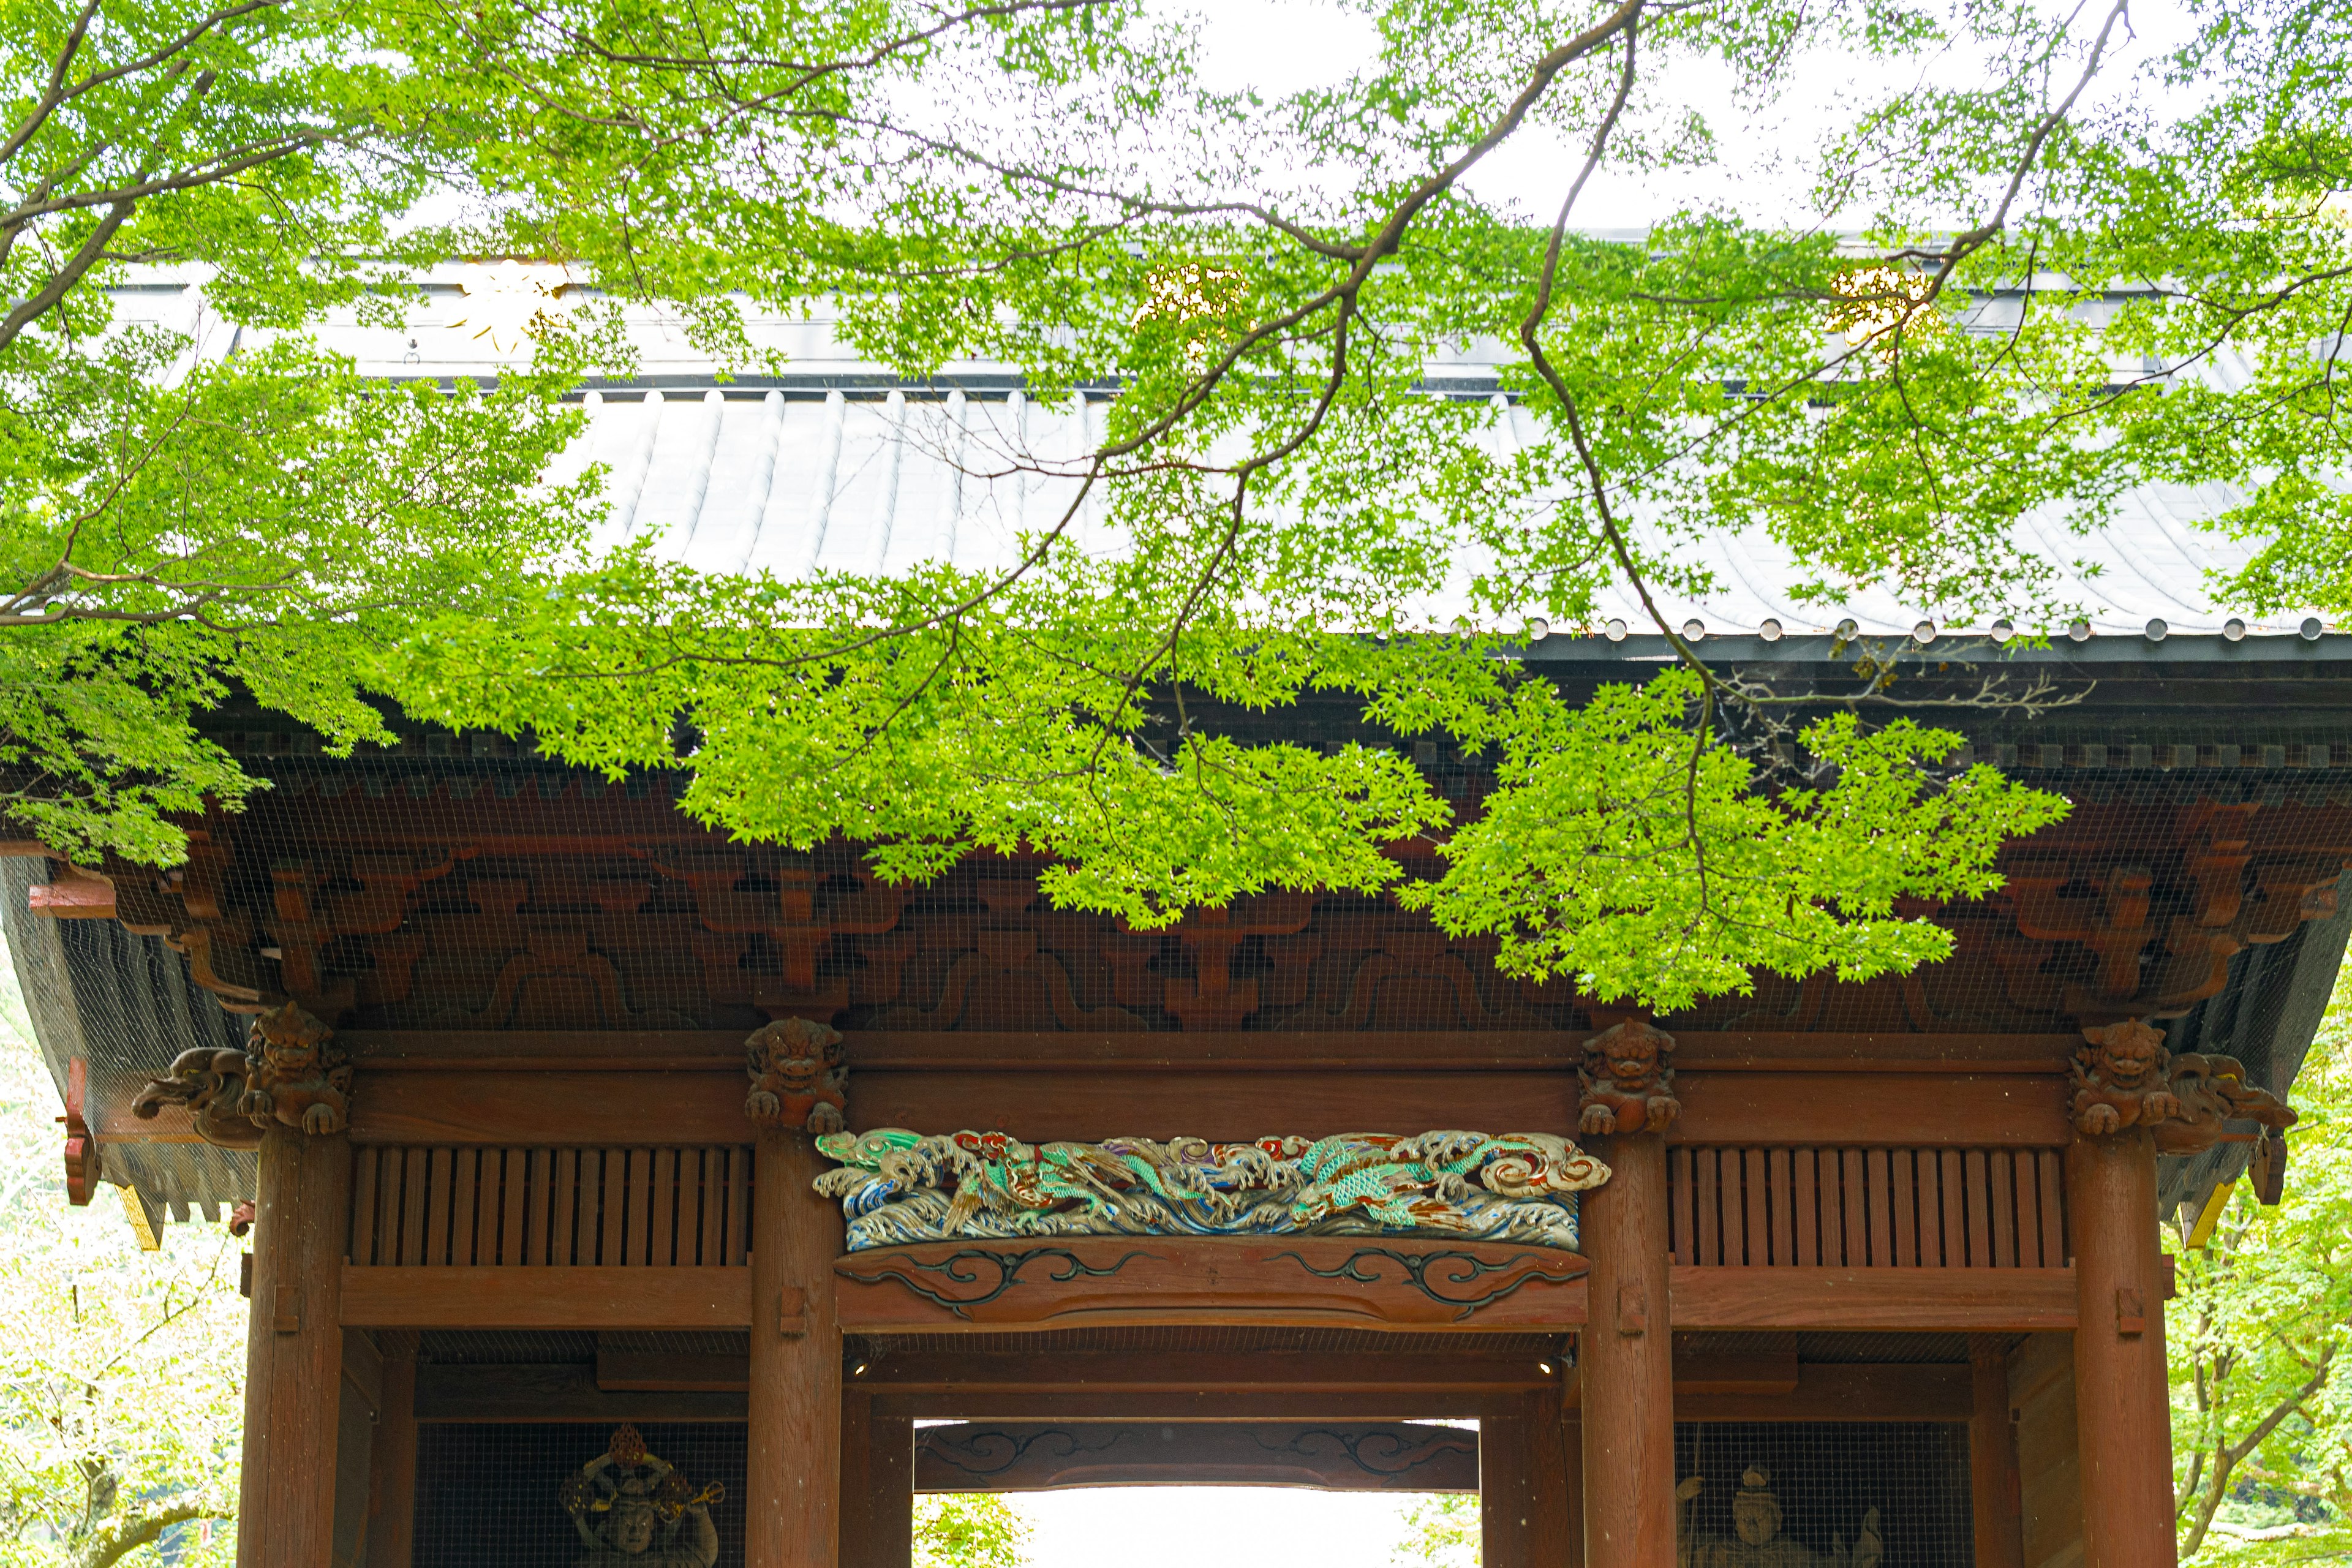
1866,1209
635,1208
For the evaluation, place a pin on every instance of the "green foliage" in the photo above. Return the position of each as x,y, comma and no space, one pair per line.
121,1372
1276,500
969,1530
2260,1344
1442,1530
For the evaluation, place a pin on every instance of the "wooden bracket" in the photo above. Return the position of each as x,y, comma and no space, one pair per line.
792,1313
1633,1309
2131,1312
287,1319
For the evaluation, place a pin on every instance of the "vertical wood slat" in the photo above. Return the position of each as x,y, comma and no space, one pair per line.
1857,1198
1981,1209
563,1218
1733,1225
414,1165
1905,1208
1781,1186
534,1206
363,1163
1710,1206
2055,1253
1833,1214
463,1189
738,1205
616,1207
510,1201
713,1210
664,1203
1757,1224
436,1217
387,1204
1953,1190
1804,1196
1929,1195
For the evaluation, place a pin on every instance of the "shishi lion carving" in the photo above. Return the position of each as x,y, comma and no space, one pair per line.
2125,1077
798,1080
289,1074
2122,1080
1628,1078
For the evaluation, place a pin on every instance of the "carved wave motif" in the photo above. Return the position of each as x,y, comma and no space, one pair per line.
898,1187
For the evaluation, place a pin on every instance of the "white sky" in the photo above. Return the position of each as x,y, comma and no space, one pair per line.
1212,1524
1280,46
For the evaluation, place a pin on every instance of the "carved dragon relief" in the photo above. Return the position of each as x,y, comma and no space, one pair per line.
289,1074
2125,1078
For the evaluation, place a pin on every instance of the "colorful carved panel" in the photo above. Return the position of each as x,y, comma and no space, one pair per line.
898,1187
1373,1282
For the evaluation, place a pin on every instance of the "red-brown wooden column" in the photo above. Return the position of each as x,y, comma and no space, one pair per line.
392,1459
1625,1363
294,1352
1507,1504
792,1514
2123,1414
1992,1457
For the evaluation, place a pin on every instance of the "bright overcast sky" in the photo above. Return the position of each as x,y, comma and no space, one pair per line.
1281,46
1212,1524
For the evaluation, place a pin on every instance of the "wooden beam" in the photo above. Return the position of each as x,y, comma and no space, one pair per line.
1373,1282
1974,1300
549,1393
1177,1371
1020,1456
478,1297
619,1370
582,1108
1830,1392
1246,1405
1716,1372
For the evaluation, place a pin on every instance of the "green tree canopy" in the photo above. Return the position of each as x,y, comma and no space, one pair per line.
2002,273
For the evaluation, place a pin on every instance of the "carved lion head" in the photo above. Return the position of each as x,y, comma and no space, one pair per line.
1626,1056
288,1038
796,1051
2126,1056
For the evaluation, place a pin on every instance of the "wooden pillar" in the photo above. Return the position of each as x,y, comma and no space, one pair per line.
1506,1490
1552,1492
890,1488
294,1352
2122,1409
1992,1457
391,1483
793,1512
1625,1363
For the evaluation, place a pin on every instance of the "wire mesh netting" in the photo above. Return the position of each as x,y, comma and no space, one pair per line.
493,1496
1852,1494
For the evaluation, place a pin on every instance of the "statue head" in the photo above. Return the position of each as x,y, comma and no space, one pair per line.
2126,1056
1627,1056
630,1528
288,1038
793,1055
1755,1511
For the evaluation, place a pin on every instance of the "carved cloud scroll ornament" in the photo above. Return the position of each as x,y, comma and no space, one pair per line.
798,1081
1628,1081
2125,1078
289,1074
898,1187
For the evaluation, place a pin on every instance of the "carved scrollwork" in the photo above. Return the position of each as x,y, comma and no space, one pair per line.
2125,1078
798,1081
1627,1080
975,1275
1449,1278
289,1074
